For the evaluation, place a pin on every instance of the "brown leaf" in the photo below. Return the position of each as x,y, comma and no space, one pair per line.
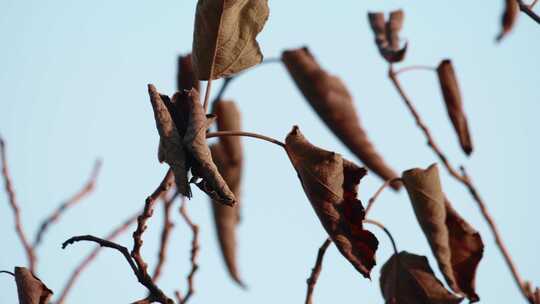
457,247
509,17
333,103
387,35
227,155
454,104
330,183
185,79
30,289
203,167
407,278
225,32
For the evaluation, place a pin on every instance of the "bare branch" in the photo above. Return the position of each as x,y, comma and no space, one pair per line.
165,235
86,190
193,256
30,254
316,271
527,9
379,191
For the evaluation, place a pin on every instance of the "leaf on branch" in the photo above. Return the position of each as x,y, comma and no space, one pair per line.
407,278
509,17
387,35
331,183
224,38
30,289
182,126
454,104
333,103
457,246
227,155
186,78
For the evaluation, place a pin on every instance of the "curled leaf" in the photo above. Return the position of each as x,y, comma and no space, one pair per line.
203,167
407,278
334,104
227,155
454,104
387,35
457,247
185,79
330,183
30,289
509,17
224,38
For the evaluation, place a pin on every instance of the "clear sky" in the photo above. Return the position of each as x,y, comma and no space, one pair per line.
73,78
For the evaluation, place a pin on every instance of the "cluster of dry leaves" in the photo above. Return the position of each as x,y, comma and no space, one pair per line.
224,44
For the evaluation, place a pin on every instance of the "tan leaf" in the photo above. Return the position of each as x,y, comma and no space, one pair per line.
330,183
509,17
170,150
454,104
407,278
333,103
196,144
387,35
30,289
457,247
225,32
227,155
185,79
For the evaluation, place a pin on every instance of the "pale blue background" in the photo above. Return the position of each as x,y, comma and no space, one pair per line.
73,78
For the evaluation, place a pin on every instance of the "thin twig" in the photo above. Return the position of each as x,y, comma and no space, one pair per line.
415,68
193,256
8,272
380,225
533,4
165,235
316,271
30,254
379,191
86,190
91,257
467,182
527,9
245,134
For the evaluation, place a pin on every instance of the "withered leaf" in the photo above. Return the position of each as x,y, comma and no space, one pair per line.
330,183
387,35
509,17
227,155
454,104
407,278
30,289
225,32
333,103
457,247
171,149
185,79
203,167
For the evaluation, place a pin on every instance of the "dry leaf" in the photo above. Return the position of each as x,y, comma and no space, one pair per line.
225,32
30,289
330,183
454,104
387,35
407,278
509,17
333,103
457,247
227,155
203,167
185,79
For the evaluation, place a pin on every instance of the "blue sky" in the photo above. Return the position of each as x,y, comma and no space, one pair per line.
73,80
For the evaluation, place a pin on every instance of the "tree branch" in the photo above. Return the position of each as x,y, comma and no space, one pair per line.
378,192
193,256
316,271
165,235
527,9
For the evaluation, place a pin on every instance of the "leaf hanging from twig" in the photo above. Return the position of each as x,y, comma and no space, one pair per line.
457,247
407,278
227,155
508,18
224,38
30,289
185,80
454,104
330,183
387,35
333,103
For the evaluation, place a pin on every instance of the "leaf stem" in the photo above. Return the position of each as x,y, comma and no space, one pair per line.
527,9
8,272
415,68
245,134
380,225
379,191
